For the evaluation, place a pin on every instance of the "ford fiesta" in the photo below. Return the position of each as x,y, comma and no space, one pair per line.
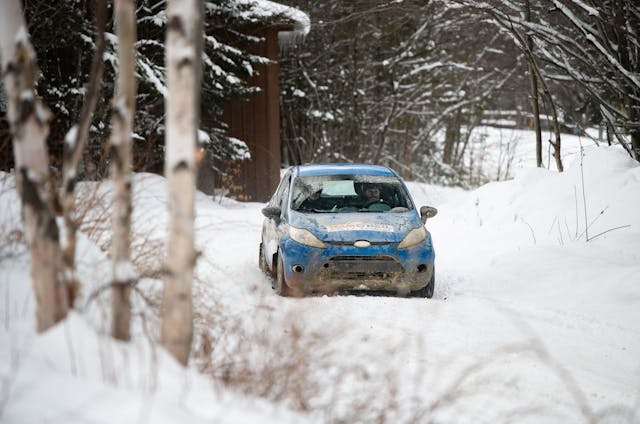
332,228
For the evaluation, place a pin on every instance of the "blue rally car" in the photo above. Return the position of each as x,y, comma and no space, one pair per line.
332,228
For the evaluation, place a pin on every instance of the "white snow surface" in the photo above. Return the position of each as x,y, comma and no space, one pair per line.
266,9
530,322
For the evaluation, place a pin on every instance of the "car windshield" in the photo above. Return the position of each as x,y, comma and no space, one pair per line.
349,193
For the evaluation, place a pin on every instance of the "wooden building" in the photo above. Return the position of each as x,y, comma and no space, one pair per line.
257,122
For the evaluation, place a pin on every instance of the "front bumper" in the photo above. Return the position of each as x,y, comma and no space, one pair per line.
344,267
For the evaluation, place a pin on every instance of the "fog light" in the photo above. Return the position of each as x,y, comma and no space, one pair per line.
297,268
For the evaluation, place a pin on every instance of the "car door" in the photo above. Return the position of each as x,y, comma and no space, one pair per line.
272,228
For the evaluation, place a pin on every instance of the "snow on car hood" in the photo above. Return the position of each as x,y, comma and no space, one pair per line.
349,227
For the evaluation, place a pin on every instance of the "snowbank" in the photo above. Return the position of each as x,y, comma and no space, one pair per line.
75,372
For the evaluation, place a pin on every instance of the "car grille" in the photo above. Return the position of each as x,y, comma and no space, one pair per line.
359,267
350,243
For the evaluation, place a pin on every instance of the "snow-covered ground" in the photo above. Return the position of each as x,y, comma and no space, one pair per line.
498,153
530,322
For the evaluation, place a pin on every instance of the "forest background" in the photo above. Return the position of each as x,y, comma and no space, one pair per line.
402,83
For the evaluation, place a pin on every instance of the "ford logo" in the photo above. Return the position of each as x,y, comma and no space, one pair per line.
362,243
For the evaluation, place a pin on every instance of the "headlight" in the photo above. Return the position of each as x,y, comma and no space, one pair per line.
305,237
413,237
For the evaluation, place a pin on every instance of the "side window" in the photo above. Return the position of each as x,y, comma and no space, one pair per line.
285,196
276,200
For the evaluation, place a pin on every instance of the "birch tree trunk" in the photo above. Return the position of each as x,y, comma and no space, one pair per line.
183,52
29,123
120,154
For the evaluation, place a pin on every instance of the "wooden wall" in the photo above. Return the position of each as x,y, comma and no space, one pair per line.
257,122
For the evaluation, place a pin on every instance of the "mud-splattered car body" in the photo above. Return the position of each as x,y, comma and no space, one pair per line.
323,234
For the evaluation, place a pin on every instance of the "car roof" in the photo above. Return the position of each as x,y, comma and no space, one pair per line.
343,169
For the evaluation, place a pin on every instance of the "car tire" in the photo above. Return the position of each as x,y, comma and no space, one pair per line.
281,286
262,262
428,290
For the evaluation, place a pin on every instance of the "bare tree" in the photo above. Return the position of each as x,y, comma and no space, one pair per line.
535,101
526,44
401,87
507,16
593,44
549,99
28,120
75,143
183,53
120,154
597,44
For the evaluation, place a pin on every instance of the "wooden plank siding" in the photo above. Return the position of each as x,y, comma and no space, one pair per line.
257,123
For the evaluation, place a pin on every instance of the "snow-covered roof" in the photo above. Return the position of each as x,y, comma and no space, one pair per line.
265,9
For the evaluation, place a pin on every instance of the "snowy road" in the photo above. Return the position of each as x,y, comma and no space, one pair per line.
527,347
521,323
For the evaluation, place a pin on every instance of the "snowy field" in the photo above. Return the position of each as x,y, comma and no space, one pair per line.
532,321
498,153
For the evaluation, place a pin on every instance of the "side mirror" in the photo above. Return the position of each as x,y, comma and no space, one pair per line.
272,212
427,212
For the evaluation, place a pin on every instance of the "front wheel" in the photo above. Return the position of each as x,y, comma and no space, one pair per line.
426,291
281,286
262,263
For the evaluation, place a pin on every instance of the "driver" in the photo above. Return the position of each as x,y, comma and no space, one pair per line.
371,195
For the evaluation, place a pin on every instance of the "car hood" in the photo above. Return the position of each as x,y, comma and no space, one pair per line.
349,227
